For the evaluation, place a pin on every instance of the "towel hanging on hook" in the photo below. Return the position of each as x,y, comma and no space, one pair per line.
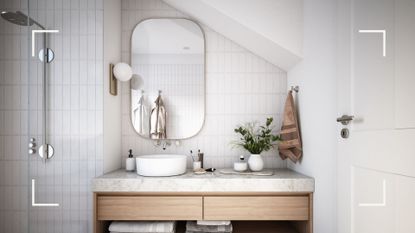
158,119
141,116
291,146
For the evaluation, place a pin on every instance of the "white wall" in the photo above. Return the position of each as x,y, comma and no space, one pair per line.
270,29
316,76
240,87
278,20
112,104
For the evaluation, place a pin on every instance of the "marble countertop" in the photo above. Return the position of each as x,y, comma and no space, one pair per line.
283,180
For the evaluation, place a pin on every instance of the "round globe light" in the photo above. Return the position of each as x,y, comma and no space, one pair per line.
123,72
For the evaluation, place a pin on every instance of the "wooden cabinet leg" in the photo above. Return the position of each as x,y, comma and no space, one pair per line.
99,226
310,220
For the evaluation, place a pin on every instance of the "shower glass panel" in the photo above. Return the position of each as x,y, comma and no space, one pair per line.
51,136
14,112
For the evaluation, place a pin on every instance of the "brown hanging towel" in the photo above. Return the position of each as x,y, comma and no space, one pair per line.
290,146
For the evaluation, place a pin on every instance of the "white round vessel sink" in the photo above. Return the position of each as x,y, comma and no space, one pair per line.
161,165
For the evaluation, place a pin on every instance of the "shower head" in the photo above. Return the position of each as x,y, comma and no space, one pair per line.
19,18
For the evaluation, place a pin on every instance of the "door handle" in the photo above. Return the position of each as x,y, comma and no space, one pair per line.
345,119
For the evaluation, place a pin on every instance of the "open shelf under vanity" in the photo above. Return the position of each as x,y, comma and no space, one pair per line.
255,227
248,226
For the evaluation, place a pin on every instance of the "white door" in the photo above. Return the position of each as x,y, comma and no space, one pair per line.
376,85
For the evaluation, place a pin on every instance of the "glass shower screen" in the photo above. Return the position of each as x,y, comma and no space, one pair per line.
51,140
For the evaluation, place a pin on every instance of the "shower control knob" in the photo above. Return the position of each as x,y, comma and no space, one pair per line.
46,151
32,146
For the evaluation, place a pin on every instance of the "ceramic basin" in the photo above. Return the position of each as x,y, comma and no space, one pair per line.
161,165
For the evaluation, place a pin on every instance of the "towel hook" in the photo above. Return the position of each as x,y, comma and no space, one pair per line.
295,88
159,92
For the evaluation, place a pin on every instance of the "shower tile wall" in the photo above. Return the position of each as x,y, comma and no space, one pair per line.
13,125
240,87
75,117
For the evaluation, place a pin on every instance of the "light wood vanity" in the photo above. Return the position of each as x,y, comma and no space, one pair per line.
127,196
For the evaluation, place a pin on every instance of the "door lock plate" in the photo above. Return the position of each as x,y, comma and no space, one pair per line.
344,133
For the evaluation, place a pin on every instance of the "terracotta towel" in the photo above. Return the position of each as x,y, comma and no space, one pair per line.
290,146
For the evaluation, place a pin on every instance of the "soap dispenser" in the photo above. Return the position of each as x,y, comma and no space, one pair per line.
130,162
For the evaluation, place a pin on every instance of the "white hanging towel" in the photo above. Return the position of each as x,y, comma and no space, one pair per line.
158,120
140,117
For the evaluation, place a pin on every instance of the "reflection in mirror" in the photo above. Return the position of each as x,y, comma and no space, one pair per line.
168,85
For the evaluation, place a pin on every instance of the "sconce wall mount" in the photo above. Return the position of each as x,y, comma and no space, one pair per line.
113,81
122,72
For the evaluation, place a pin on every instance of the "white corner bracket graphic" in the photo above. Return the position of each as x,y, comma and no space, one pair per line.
40,204
383,204
383,37
39,31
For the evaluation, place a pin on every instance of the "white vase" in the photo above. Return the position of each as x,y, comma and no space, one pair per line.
255,162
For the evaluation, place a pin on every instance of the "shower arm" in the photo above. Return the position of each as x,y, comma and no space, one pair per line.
38,24
32,20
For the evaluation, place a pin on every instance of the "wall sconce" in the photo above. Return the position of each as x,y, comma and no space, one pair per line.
120,71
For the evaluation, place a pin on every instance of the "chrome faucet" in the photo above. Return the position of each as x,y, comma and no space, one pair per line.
163,143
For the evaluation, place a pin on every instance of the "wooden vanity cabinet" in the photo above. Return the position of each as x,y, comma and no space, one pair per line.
149,208
293,209
256,208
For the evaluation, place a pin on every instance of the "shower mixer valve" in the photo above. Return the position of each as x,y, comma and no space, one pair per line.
46,151
32,146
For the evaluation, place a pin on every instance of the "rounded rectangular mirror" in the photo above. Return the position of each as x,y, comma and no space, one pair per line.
168,85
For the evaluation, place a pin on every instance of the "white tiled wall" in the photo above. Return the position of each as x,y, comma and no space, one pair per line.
75,117
240,87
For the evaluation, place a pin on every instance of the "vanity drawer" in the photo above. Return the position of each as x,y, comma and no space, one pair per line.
257,208
149,208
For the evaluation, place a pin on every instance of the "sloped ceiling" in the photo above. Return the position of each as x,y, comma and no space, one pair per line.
272,29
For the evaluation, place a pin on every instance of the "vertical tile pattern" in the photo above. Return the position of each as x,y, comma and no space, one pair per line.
75,116
13,123
240,87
